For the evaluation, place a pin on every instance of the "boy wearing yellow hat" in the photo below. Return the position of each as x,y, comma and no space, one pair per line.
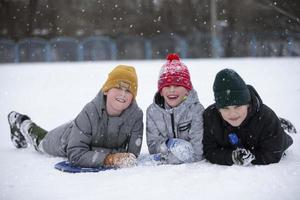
107,132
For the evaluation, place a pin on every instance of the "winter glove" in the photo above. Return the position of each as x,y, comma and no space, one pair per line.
120,160
150,160
287,125
242,157
156,157
179,149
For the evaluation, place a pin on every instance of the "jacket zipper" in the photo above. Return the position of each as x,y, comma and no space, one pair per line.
173,125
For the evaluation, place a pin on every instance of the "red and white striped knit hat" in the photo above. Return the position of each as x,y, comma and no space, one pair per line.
174,72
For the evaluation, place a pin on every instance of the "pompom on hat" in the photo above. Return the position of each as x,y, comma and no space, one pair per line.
230,89
174,72
122,76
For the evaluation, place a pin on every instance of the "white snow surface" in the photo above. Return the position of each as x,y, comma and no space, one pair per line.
53,93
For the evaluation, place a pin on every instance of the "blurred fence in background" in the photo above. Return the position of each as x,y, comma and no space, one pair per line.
196,45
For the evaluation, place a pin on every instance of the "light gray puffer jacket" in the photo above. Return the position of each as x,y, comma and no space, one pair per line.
184,121
88,139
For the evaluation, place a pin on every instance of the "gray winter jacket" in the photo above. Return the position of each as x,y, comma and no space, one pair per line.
88,139
184,121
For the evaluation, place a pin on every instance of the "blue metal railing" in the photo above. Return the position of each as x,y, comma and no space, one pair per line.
195,45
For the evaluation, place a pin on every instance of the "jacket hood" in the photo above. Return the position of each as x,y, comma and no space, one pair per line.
256,102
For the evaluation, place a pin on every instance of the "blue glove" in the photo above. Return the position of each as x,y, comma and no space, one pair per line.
181,149
152,159
156,157
171,142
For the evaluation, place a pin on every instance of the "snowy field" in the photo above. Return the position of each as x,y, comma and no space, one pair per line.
52,94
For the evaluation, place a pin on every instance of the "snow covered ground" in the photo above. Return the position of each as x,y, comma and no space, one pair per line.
54,93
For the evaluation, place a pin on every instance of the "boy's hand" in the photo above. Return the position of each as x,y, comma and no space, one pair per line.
120,160
181,149
242,157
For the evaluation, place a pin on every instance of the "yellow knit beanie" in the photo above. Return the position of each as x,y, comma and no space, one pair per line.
122,76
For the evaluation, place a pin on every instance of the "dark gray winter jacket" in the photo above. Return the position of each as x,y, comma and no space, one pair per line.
88,139
184,121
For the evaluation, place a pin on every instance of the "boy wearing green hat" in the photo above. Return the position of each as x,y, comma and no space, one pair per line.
238,128
107,132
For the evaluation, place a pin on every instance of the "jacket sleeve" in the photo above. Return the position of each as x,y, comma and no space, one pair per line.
212,151
79,151
156,141
196,132
136,138
272,142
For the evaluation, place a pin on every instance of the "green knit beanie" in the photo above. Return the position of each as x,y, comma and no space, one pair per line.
230,89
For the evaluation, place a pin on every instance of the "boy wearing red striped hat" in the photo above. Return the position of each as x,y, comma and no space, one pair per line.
174,127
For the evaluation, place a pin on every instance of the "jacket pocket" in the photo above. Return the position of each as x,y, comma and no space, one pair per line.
184,127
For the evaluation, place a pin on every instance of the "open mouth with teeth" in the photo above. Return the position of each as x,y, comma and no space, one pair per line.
172,97
121,100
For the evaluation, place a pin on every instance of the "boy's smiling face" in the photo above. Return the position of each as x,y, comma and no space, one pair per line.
174,95
118,99
234,115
